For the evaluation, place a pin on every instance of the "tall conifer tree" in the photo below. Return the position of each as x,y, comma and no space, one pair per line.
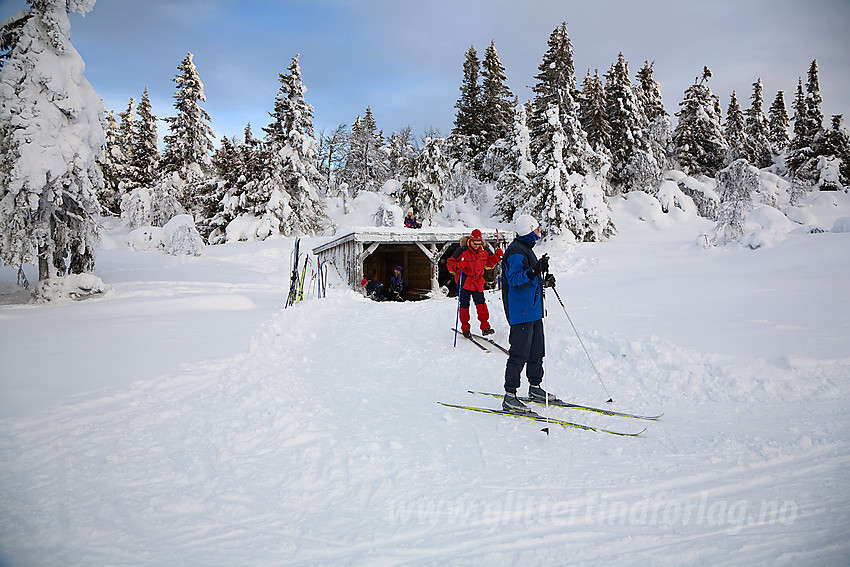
778,124
757,142
366,167
556,87
496,99
146,146
128,134
111,165
190,136
469,122
660,133
293,160
514,183
698,137
49,171
734,130
633,166
807,143
593,117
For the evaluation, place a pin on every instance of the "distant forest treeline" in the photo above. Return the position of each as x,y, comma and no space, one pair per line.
558,157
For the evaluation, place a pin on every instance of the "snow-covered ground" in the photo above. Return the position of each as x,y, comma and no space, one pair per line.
186,418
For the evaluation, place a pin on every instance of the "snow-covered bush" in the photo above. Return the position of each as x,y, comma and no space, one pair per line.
670,196
182,237
153,206
736,184
705,198
178,237
251,227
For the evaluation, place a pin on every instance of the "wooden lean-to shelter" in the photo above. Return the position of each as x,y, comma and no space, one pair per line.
372,253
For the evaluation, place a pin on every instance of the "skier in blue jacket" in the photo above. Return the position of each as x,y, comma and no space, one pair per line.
523,279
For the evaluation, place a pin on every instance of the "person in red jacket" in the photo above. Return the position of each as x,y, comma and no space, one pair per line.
468,264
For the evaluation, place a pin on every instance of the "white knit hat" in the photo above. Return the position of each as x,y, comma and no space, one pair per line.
525,225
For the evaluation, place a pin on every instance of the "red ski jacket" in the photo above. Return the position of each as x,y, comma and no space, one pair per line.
472,262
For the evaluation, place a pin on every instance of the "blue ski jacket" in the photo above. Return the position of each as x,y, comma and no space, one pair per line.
522,295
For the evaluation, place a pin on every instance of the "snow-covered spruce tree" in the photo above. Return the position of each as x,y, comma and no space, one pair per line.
556,86
779,125
332,150
228,163
366,166
801,158
424,188
188,145
153,206
807,144
128,134
660,133
240,168
231,176
469,119
497,102
592,114
698,137
734,130
292,142
51,139
563,200
400,152
562,149
633,165
814,103
837,146
111,166
757,142
736,185
514,183
145,162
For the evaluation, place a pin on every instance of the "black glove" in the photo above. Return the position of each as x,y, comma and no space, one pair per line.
542,265
549,281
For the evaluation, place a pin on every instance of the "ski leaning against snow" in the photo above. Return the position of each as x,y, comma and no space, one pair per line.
537,417
563,404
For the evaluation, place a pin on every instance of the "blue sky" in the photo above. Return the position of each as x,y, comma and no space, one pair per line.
404,58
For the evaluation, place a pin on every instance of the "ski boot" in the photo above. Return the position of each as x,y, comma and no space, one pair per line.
487,331
512,404
538,394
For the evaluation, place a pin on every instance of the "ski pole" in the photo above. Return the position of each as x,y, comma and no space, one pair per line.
457,315
499,245
610,399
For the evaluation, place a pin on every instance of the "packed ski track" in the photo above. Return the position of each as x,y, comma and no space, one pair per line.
187,418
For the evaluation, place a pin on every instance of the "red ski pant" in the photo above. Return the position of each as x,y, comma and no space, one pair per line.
480,308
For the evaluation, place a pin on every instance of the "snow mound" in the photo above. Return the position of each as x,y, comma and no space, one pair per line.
799,215
75,286
841,225
644,207
767,227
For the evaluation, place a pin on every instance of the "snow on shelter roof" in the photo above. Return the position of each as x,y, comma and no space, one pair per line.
394,235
